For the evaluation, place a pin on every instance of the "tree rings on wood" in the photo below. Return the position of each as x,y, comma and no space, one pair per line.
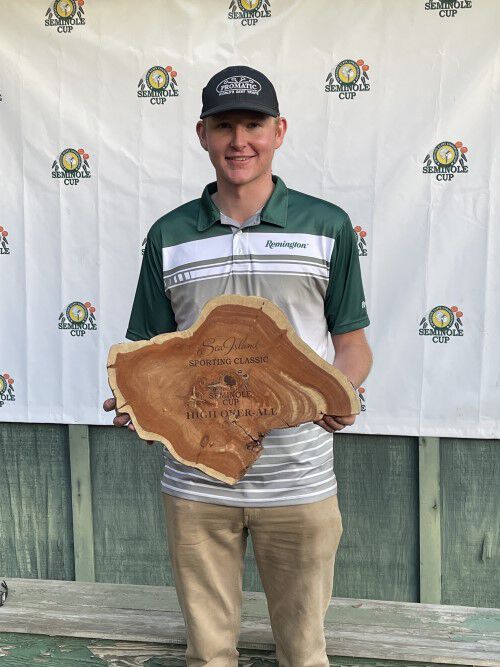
212,392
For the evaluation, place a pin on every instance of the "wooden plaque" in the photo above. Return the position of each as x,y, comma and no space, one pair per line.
210,393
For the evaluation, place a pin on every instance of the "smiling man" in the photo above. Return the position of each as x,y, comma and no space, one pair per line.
249,234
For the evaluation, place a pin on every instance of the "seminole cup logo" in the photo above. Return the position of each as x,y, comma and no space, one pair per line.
65,14
362,398
442,324
6,389
71,165
158,83
78,318
348,78
362,245
4,244
446,160
448,8
248,12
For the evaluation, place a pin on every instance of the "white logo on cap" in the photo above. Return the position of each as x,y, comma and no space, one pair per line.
239,84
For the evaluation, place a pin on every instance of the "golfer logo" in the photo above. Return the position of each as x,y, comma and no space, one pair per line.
6,389
65,14
447,8
445,160
158,83
4,244
361,236
348,78
78,318
71,165
248,12
442,324
362,398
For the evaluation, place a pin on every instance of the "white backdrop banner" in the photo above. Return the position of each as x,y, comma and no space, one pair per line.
394,115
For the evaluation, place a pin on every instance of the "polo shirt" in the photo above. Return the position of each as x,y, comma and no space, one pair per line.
303,256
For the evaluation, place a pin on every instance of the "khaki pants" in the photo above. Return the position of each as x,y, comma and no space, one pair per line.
295,549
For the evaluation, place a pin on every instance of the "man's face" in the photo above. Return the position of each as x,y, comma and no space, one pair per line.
241,144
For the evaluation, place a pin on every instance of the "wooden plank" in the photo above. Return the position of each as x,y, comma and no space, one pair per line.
430,520
164,599
36,538
378,498
22,650
356,628
471,521
130,654
81,495
129,517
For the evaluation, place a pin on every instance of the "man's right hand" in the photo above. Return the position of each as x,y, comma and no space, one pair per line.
122,418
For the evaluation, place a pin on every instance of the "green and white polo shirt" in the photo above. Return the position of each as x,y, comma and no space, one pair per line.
303,256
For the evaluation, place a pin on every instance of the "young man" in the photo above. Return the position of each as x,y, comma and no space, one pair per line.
249,234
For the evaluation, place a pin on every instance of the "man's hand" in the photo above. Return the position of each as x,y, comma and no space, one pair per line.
354,358
332,424
122,418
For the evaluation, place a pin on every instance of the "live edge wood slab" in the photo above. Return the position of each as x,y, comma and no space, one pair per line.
212,392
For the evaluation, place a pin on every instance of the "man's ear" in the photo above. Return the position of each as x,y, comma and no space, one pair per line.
201,131
281,128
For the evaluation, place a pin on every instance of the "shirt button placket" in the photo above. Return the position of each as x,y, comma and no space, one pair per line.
237,243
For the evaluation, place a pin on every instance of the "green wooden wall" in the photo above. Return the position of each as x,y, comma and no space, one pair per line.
471,522
36,533
377,478
421,517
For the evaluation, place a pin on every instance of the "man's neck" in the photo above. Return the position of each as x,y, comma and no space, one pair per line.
240,202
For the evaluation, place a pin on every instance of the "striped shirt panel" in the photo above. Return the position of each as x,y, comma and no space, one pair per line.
293,468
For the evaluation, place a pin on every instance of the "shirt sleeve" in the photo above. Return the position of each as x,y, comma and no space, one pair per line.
152,312
345,307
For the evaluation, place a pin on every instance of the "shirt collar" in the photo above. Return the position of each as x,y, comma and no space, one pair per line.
252,221
274,211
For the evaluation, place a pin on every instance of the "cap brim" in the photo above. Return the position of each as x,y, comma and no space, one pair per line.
245,106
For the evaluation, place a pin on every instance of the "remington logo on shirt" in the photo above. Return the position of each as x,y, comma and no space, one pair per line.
285,244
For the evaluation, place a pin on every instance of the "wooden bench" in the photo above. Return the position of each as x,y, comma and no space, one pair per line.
141,621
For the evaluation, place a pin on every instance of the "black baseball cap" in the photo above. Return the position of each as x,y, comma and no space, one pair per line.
239,88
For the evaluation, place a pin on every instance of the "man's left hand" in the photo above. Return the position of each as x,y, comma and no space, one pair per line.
332,424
